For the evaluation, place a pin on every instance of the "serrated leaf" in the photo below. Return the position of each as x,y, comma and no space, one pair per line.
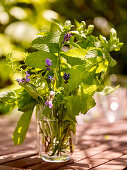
114,41
77,53
112,62
107,90
72,60
78,103
8,96
48,43
7,101
79,75
67,25
6,107
25,101
89,30
22,127
37,59
60,25
102,66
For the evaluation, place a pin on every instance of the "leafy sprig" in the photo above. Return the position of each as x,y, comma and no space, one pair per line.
62,82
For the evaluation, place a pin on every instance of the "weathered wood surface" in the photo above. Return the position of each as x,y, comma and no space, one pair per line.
100,146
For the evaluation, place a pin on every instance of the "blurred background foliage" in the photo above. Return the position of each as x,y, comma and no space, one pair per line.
21,20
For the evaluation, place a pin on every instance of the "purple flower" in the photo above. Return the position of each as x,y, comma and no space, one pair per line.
49,103
48,68
66,77
24,79
27,74
20,81
48,62
67,37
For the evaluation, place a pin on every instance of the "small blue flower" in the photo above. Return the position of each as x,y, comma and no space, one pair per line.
66,77
50,78
48,62
67,37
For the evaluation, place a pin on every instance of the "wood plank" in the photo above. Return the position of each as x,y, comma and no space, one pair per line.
50,166
116,164
8,168
24,162
16,156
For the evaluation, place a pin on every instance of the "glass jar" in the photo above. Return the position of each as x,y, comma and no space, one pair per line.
55,138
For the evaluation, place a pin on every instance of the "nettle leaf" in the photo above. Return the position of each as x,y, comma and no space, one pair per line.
89,89
25,101
6,107
48,43
89,30
37,59
78,103
112,62
67,25
59,24
72,60
78,75
80,26
77,53
7,101
107,90
22,127
114,41
8,96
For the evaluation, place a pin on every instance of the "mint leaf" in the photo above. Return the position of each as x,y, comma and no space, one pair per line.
76,104
8,96
67,25
22,127
7,101
48,43
114,41
25,101
59,24
72,60
112,62
78,75
37,59
77,53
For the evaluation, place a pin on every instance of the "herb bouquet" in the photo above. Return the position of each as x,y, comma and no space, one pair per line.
59,81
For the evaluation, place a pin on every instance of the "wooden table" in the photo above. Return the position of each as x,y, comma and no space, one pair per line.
100,146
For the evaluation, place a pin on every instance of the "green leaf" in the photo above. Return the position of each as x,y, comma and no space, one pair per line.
37,59
114,41
8,96
67,25
77,53
6,107
7,101
25,101
80,26
72,60
112,62
89,30
107,90
79,75
48,43
59,24
78,103
22,127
